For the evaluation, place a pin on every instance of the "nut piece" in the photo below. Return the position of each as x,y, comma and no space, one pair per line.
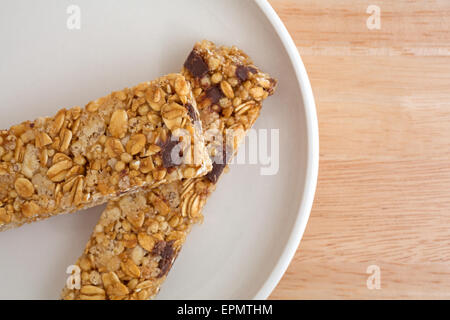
24,187
146,241
119,123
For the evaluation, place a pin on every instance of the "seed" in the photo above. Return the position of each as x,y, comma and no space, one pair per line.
119,123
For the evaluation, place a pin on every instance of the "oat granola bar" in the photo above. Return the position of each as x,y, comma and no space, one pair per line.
83,157
138,237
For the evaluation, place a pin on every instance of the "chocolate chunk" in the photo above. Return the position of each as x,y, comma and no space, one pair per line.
219,166
273,84
158,248
216,172
214,94
196,65
169,158
252,69
242,73
191,112
167,253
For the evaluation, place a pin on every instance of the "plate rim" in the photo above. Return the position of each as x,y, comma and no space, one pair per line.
312,166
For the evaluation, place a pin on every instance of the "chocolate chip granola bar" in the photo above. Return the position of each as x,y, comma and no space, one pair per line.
139,236
83,157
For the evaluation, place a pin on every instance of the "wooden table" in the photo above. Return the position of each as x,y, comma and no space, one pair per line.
383,195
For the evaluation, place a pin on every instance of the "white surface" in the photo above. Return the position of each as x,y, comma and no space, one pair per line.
253,223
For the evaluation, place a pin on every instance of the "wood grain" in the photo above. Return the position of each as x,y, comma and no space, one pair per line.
383,195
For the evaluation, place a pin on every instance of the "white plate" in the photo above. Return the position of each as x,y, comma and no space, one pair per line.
253,223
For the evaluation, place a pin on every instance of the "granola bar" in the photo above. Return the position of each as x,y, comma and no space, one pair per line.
83,157
138,237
